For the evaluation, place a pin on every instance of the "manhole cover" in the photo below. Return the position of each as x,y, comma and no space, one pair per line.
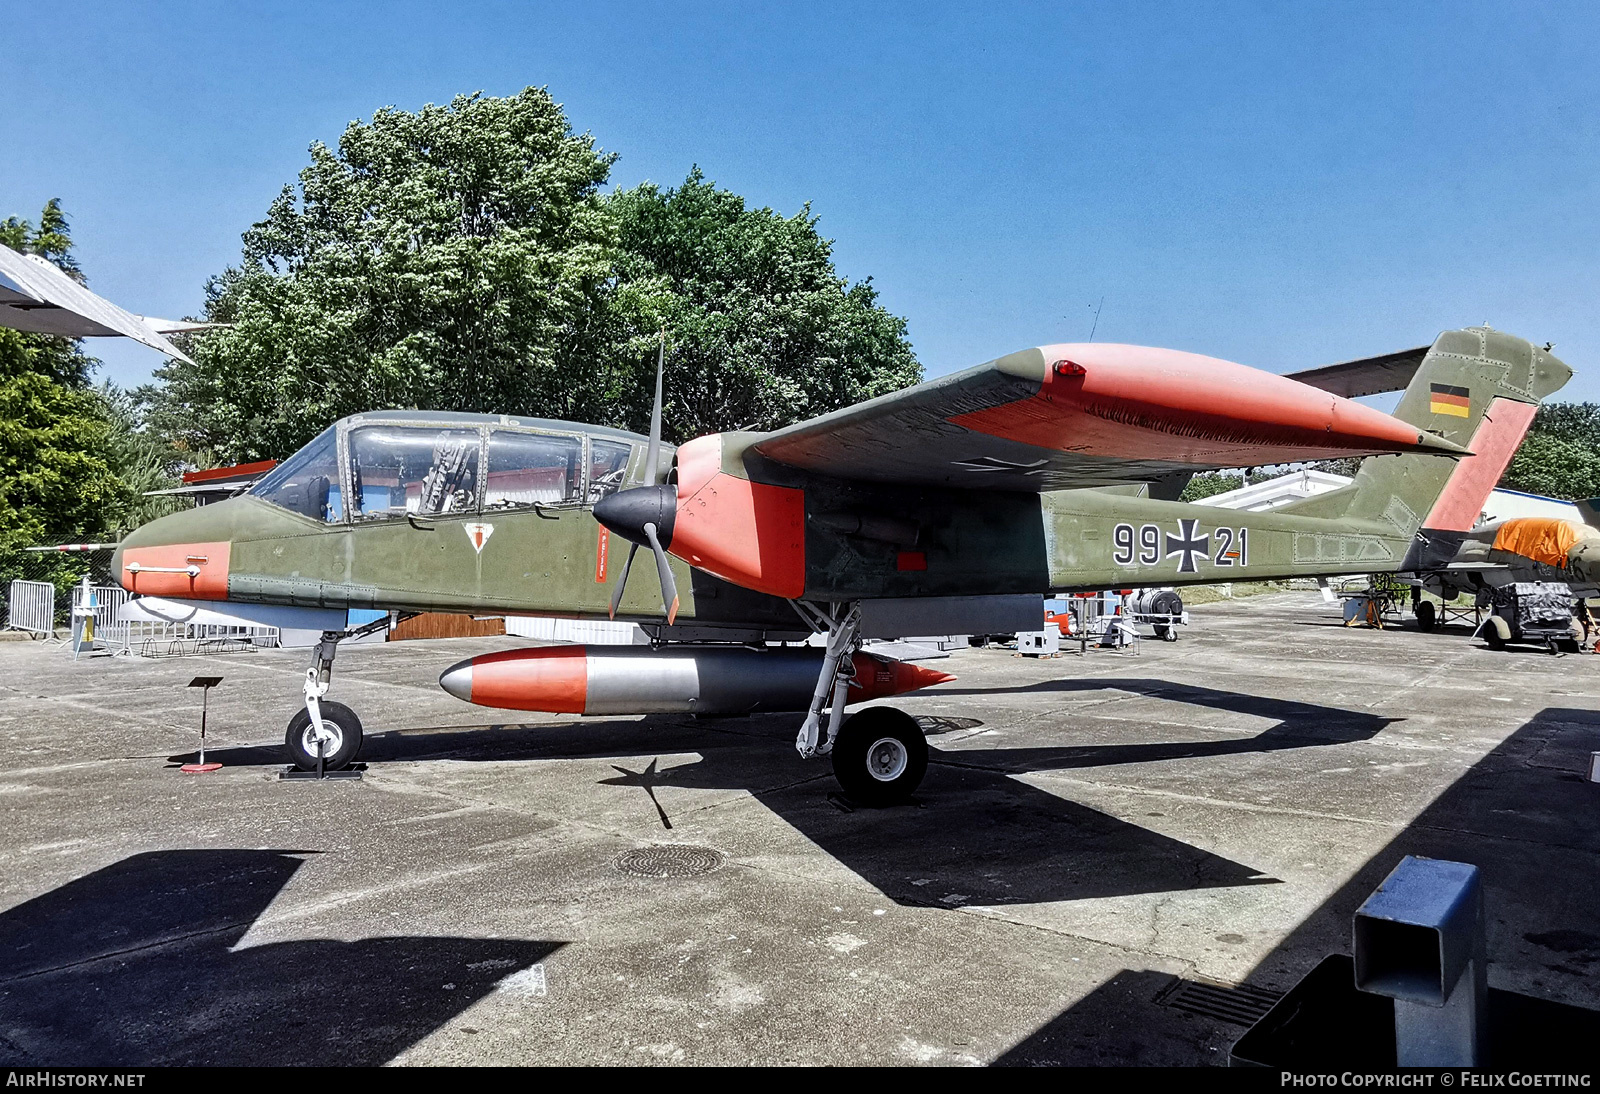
671,860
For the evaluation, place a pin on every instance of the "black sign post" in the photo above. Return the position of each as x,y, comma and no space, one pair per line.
205,684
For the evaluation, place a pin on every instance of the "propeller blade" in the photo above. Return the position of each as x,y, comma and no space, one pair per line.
653,453
622,579
669,586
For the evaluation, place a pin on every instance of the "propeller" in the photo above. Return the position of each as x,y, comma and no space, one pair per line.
644,515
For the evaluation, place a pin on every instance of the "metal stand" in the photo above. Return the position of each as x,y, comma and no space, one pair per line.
200,767
294,773
1419,939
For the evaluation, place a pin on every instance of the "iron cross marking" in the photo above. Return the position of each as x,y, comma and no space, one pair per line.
1187,544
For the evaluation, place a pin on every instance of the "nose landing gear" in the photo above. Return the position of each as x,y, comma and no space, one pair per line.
325,736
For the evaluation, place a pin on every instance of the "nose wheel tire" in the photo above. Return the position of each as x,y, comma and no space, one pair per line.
337,753
880,756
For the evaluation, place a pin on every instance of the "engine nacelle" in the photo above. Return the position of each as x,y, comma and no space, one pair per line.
750,533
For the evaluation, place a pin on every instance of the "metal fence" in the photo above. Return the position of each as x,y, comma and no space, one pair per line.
31,606
161,638
179,639
105,601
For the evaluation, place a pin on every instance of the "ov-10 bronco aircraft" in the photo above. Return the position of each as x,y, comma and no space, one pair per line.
949,507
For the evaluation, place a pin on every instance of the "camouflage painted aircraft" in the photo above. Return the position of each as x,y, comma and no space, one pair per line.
932,510
1515,551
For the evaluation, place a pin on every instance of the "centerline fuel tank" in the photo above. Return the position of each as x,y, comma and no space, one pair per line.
695,679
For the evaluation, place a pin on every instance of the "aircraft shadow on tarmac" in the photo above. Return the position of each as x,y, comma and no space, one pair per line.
974,834
1523,814
133,964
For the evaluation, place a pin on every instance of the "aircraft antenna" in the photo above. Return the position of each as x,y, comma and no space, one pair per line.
653,453
1096,324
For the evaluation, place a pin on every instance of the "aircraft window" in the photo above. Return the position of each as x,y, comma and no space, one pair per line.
608,464
308,481
533,469
404,470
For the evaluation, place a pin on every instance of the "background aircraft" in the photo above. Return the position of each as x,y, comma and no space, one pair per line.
1486,562
36,296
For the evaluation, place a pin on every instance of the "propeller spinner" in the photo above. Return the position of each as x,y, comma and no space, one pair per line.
644,515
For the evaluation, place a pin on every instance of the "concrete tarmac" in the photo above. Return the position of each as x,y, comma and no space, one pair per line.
1114,858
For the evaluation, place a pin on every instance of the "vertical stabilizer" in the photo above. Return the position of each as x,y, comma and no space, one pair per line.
1477,387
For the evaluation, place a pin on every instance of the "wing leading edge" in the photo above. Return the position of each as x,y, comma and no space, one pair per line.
1073,416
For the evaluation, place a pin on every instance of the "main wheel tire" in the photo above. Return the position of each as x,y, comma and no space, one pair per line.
1492,637
1427,615
341,751
880,756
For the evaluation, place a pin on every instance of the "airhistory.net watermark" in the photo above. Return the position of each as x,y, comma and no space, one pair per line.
36,1077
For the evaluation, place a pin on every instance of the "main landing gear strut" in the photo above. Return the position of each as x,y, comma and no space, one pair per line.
879,754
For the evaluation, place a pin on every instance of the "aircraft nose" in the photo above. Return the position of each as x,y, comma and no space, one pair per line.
185,555
1584,561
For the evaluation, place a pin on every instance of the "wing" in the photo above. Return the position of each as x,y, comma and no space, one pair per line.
36,296
1071,416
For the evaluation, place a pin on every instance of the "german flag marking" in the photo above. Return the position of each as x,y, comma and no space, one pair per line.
1445,399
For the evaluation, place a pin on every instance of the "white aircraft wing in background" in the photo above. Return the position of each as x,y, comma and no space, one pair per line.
36,296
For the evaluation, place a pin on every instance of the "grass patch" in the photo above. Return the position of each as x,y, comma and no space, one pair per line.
1215,594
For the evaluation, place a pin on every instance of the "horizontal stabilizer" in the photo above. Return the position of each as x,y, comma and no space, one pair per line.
1368,376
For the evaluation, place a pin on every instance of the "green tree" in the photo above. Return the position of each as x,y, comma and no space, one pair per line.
1560,457
463,257
1210,483
764,331
447,259
57,483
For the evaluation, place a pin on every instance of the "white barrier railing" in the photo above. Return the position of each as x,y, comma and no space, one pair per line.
31,606
179,639
105,602
161,638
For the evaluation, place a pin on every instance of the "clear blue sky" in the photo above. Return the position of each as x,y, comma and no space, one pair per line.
1280,184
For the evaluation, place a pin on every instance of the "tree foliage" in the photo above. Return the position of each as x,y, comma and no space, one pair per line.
1209,483
55,483
463,257
74,459
764,331
1560,457
447,258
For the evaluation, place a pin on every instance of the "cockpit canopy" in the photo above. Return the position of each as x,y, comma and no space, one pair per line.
404,464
